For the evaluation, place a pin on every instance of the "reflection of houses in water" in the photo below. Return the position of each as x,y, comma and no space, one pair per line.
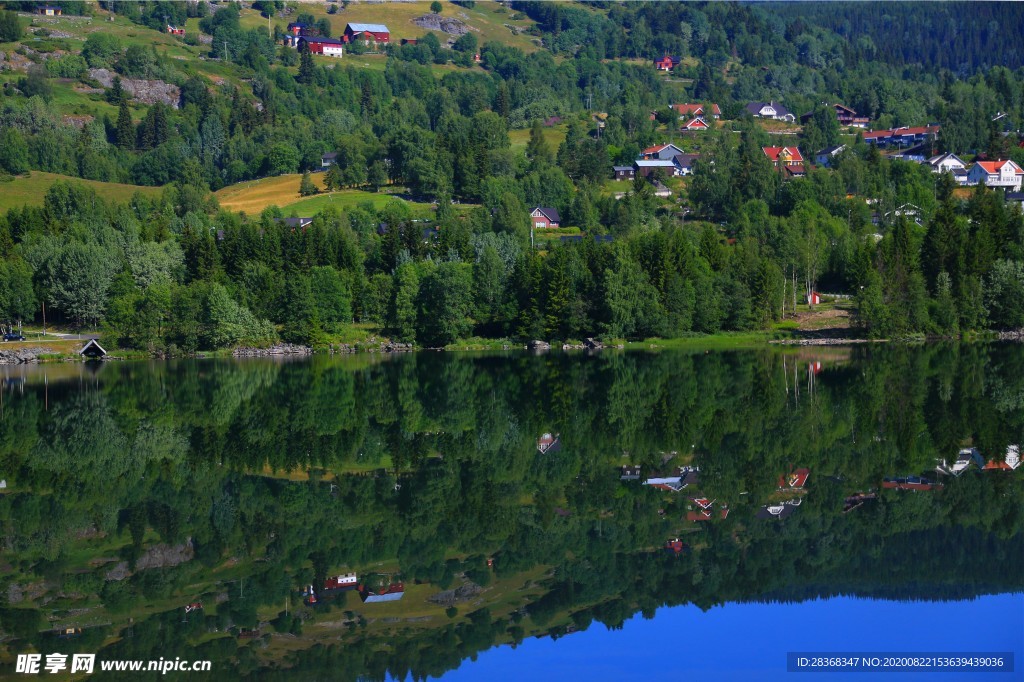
629,473
781,510
347,581
549,443
964,459
705,511
910,483
1009,463
795,481
392,592
857,500
681,478
675,547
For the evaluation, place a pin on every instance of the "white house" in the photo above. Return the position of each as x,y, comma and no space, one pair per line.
946,163
772,110
1005,174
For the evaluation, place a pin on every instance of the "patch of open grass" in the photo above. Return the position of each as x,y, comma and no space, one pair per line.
30,189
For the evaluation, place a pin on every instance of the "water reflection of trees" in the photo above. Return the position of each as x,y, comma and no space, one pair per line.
422,458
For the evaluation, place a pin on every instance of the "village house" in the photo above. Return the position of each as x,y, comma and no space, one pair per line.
549,443
624,172
1005,174
49,10
329,47
910,483
1015,198
903,137
685,163
348,581
175,31
392,592
789,160
297,29
770,110
296,223
845,116
367,33
949,163
825,156
666,63
544,217
695,110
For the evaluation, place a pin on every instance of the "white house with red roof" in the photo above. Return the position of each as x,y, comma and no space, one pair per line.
696,124
1005,174
784,156
1008,463
795,481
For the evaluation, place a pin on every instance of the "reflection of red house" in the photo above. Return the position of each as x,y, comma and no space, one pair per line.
341,582
910,483
392,592
795,481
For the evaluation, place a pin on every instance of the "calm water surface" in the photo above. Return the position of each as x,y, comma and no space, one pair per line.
494,508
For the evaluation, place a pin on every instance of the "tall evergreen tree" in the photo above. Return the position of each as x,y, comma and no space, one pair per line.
125,129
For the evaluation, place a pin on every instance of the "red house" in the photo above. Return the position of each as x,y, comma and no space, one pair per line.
329,47
368,33
341,582
666,63
543,217
796,480
297,29
175,31
784,156
688,110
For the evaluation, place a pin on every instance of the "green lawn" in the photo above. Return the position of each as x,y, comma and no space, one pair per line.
31,189
350,198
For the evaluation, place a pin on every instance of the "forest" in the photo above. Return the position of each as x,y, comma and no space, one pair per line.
176,274
101,468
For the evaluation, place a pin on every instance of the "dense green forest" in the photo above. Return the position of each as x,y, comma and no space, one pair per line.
738,251
100,469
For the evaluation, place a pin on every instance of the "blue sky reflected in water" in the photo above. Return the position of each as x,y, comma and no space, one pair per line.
750,641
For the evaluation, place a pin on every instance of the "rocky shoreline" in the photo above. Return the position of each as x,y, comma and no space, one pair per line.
21,356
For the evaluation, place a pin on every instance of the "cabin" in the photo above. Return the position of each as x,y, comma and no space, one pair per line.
795,481
328,47
175,31
327,160
813,298
392,592
856,501
1005,174
624,172
367,33
770,110
49,10
544,217
347,581
666,63
92,350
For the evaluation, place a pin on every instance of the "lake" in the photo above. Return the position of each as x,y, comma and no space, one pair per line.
620,515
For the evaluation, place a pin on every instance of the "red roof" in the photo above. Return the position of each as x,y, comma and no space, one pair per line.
696,123
698,516
655,149
773,153
701,502
695,109
996,166
1000,464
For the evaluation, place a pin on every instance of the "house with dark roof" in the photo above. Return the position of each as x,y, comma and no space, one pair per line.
770,110
296,28
825,156
845,116
1015,198
549,443
544,217
296,223
964,459
624,172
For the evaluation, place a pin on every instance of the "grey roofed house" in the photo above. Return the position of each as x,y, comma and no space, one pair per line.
295,222
372,28
328,159
550,213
